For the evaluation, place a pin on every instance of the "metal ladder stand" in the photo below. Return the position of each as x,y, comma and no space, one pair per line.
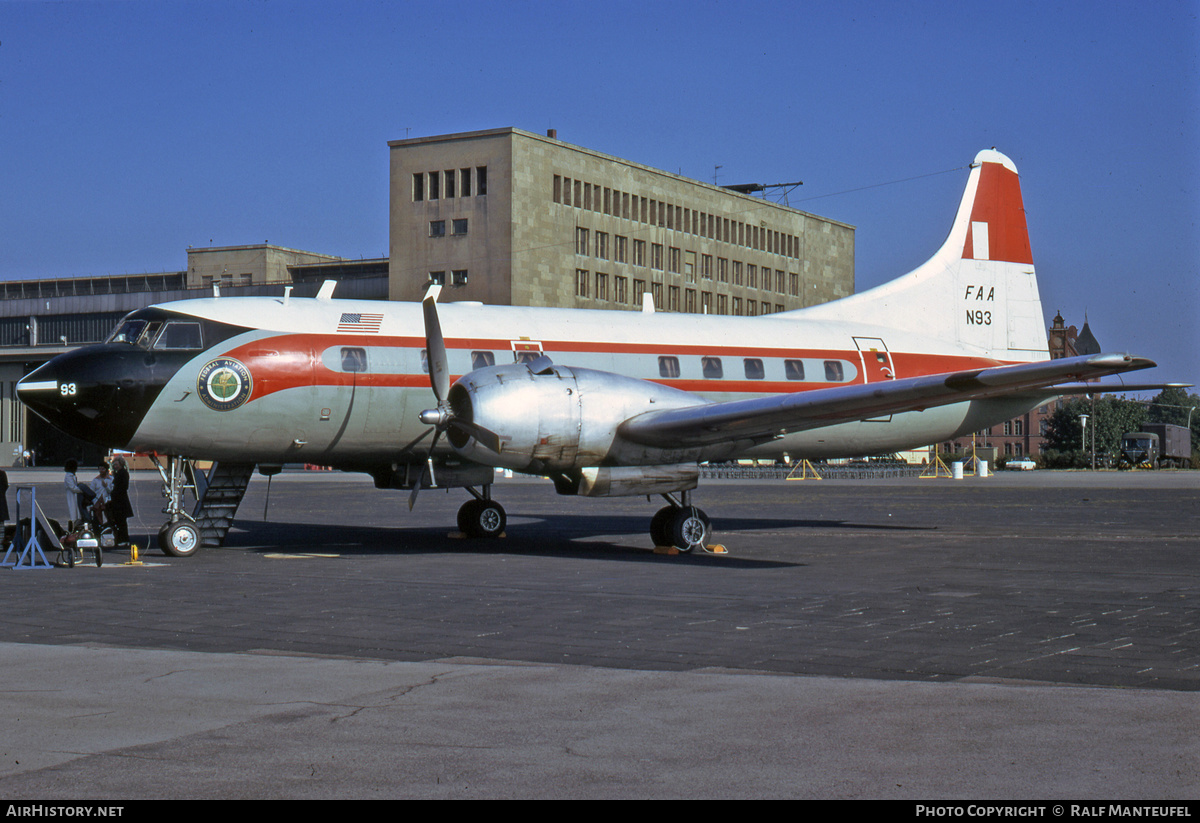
30,550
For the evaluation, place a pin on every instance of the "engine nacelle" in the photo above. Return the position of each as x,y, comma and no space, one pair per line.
554,419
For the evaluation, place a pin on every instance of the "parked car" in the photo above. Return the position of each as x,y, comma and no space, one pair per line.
1021,464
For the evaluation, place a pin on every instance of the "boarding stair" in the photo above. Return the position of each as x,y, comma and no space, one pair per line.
219,494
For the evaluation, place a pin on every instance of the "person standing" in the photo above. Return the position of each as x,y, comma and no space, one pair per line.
119,507
3,496
75,494
102,485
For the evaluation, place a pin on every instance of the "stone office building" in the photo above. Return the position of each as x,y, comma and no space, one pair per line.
509,217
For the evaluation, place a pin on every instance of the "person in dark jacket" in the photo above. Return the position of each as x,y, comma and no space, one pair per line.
119,507
3,496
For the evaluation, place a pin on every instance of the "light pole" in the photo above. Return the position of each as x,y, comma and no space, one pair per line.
1083,419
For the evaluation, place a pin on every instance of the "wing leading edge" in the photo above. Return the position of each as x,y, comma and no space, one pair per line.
764,418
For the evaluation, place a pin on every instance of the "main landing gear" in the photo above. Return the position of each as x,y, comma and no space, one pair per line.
680,525
481,516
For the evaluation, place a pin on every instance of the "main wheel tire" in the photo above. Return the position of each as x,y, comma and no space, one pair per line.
660,526
690,528
482,518
179,539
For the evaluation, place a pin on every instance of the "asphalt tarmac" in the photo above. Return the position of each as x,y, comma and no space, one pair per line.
1023,636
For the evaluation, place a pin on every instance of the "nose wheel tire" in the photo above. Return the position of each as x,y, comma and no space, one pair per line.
179,539
482,518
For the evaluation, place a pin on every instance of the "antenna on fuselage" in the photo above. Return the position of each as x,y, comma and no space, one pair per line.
326,292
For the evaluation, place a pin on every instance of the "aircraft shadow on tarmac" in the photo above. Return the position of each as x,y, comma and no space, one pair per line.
556,535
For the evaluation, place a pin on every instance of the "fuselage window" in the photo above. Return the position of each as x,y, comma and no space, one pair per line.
482,359
793,369
354,360
525,356
180,335
425,360
754,368
668,367
713,370
833,371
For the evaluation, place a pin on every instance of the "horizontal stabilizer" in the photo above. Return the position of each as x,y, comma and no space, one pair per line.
765,418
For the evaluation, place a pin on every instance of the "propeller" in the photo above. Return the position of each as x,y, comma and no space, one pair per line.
442,417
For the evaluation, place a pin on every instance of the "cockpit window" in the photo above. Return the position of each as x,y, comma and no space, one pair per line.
165,330
180,334
137,332
128,332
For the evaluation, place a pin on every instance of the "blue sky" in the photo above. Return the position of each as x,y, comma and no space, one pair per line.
131,130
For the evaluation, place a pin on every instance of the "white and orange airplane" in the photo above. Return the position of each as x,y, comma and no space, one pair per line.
605,403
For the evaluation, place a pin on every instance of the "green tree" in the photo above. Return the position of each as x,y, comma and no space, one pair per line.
1108,417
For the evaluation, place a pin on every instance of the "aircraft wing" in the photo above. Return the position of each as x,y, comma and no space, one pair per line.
764,418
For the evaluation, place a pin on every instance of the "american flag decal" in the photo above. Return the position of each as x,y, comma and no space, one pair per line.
358,322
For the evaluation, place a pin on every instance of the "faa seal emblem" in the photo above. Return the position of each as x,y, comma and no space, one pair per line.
224,384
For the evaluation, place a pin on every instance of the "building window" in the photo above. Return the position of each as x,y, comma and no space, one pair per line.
418,193
458,277
601,286
639,252
437,228
673,260
706,306
656,256
639,288
673,298
581,282
434,187
723,269
481,180
619,290
437,278
620,247
706,266
737,272
602,245
464,178
459,226
581,241
450,177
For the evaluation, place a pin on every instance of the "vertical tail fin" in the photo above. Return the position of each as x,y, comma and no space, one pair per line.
978,294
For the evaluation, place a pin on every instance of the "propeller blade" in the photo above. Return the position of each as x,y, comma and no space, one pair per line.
435,348
486,437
